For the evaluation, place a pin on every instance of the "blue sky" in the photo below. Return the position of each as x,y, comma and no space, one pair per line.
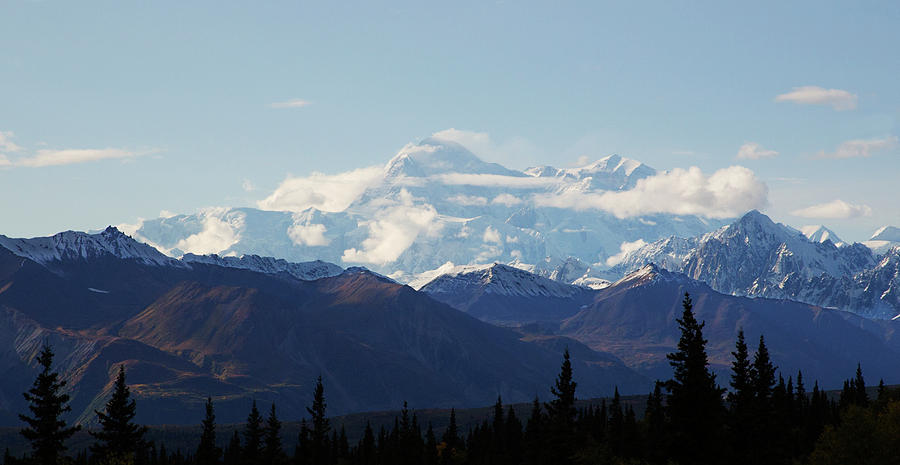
110,111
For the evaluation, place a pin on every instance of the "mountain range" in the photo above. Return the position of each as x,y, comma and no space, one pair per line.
434,202
757,257
256,328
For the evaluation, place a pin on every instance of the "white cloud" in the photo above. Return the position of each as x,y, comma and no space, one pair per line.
860,148
166,214
4,162
836,209
248,186
754,151
308,234
468,200
48,157
624,249
393,229
6,143
726,193
495,180
815,95
507,199
221,229
492,235
515,152
292,103
331,193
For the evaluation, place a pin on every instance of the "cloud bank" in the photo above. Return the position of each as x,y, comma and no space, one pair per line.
326,192
724,194
837,99
393,229
625,249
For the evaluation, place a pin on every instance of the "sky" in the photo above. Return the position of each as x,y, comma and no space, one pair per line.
119,110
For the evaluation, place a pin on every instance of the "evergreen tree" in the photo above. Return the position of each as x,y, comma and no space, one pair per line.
119,435
451,434
513,438
695,401
319,447
616,428
561,413
861,398
233,454
302,450
366,450
207,452
46,430
741,400
536,451
273,453
763,373
253,436
655,421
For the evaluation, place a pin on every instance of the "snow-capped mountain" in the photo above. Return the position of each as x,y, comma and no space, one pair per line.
75,245
885,238
506,295
71,247
498,279
759,258
305,271
819,233
434,202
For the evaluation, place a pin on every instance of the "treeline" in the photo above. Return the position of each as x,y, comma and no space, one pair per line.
689,419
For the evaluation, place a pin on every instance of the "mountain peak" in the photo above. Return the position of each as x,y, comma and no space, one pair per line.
500,279
886,233
77,245
435,156
819,233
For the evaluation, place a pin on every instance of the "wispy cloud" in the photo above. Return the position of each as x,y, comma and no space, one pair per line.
72,156
836,209
6,143
754,151
814,95
292,103
56,157
860,148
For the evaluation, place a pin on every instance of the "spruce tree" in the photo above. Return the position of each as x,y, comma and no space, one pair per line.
367,449
119,436
233,454
695,401
561,413
741,400
451,434
207,452
273,452
46,430
861,398
253,436
655,425
320,449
